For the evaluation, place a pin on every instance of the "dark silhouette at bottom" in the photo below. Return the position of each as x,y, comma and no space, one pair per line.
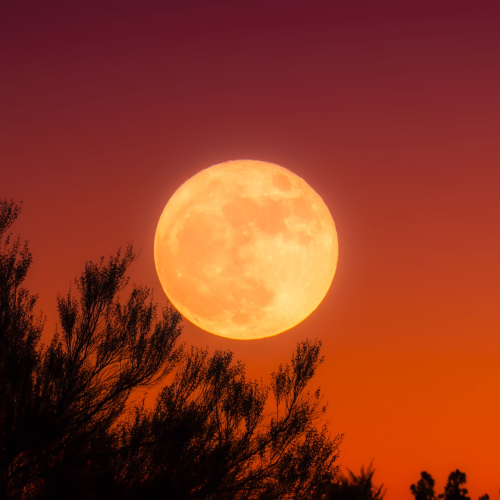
424,489
355,487
69,426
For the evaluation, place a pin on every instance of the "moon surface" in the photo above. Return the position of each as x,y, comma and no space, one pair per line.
245,249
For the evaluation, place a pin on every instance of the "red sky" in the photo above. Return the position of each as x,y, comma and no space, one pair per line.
389,110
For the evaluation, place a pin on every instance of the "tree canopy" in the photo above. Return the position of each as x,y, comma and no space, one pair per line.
70,425
424,489
355,486
453,489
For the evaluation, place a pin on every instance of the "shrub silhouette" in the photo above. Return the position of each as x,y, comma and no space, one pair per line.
355,487
68,427
424,489
453,489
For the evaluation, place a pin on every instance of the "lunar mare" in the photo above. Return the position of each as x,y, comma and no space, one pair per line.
245,249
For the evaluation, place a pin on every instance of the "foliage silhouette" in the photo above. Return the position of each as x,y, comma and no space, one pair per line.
355,487
62,401
19,355
424,489
453,489
209,436
68,426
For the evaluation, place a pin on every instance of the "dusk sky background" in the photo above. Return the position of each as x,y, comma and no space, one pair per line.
390,110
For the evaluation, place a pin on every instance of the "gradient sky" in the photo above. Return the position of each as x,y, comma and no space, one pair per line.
390,110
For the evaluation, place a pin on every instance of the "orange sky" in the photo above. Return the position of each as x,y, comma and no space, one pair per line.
389,110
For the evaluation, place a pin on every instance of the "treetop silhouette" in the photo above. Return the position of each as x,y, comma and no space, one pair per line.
68,425
453,489
355,487
424,489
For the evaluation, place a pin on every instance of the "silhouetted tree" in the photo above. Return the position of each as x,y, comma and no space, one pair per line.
68,429
209,436
424,489
60,403
19,354
453,489
355,487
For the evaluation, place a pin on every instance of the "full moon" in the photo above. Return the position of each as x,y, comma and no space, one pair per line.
245,249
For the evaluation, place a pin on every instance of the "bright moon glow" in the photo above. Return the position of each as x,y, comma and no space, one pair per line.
246,249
